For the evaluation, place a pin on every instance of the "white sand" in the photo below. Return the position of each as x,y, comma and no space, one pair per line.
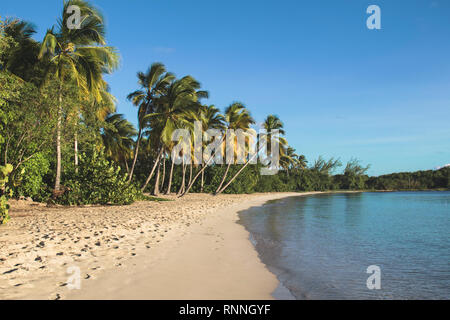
190,248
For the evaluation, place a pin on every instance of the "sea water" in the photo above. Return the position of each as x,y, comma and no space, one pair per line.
321,246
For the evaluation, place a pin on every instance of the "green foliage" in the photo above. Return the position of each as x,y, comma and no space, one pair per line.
29,182
272,184
420,180
4,206
245,183
354,177
97,181
143,197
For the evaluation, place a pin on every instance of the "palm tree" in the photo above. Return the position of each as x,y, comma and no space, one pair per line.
80,55
301,162
288,159
236,117
271,123
117,137
211,118
170,114
153,85
20,59
101,109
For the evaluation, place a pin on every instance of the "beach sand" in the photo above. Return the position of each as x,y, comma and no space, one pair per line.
188,248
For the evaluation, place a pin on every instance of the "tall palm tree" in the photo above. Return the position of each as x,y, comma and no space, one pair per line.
170,114
88,104
117,137
80,55
153,85
236,117
211,118
271,123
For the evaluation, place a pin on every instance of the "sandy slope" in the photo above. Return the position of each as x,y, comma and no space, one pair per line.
190,248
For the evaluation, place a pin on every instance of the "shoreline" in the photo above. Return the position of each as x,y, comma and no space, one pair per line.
190,248
215,261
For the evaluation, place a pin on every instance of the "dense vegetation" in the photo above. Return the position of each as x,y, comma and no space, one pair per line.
62,141
420,180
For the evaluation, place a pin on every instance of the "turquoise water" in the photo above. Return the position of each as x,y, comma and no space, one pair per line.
321,246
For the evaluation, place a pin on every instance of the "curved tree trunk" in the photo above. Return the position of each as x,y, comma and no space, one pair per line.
237,173
224,177
136,151
170,178
200,172
153,170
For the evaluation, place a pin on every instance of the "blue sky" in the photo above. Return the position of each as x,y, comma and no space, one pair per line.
342,90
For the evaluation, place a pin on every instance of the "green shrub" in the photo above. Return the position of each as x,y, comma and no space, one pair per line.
97,181
29,182
4,206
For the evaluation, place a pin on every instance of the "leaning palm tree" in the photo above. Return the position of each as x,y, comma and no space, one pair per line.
79,55
211,118
170,114
153,85
117,137
236,117
271,123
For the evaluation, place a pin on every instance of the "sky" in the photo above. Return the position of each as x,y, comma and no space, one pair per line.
342,90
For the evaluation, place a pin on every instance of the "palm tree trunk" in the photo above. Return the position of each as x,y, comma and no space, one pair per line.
136,151
58,143
183,180
76,149
126,165
190,173
203,181
170,178
158,172
224,177
200,172
164,174
153,170
238,173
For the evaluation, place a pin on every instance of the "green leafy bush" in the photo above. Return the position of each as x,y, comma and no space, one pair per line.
29,182
4,206
97,181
